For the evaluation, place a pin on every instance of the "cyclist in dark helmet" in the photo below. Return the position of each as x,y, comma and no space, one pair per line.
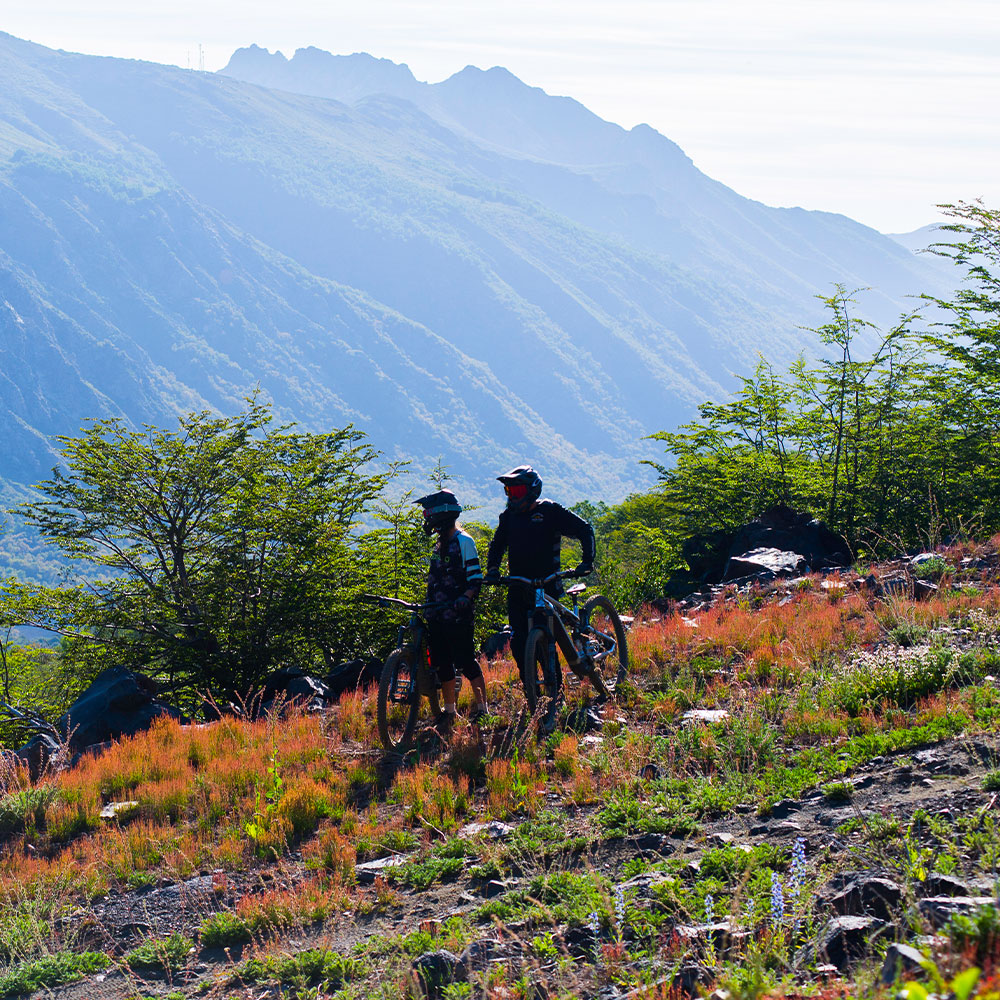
453,580
530,533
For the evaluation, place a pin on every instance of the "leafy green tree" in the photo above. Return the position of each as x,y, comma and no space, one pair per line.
964,388
226,546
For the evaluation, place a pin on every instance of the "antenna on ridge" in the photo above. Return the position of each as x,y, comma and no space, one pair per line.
201,58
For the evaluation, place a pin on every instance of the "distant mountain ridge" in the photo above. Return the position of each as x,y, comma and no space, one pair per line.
472,270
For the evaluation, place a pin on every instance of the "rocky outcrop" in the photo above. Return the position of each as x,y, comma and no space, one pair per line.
781,542
120,702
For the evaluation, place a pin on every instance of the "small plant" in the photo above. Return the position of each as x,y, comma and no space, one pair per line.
224,930
931,569
49,971
169,953
991,780
838,791
266,802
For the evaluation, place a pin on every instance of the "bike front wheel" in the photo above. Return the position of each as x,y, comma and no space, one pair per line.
400,702
600,617
537,681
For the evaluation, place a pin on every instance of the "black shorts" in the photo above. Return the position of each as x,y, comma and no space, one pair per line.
452,648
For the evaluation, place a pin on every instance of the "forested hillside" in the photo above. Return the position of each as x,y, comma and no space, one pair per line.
169,240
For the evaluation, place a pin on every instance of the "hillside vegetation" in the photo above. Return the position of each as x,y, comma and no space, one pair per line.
637,851
792,792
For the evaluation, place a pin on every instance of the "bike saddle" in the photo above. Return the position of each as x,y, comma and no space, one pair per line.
577,588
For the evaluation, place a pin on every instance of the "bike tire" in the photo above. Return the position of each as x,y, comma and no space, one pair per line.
397,722
536,651
608,621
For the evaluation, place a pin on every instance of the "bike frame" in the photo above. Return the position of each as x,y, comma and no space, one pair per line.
413,634
552,617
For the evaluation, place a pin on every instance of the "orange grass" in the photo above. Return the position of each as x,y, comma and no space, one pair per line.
432,799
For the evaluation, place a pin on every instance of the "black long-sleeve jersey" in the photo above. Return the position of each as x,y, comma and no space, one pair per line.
531,539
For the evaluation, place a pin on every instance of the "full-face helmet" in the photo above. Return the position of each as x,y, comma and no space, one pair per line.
441,509
522,486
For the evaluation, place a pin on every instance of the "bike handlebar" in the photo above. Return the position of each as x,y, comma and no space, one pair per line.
384,602
551,578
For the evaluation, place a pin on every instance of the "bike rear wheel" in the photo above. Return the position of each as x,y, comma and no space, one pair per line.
599,614
536,654
400,704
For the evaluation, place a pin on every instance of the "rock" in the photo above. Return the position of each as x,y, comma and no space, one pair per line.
782,809
651,843
581,942
901,960
706,715
766,560
118,703
290,686
493,888
722,935
480,955
786,828
938,910
900,585
923,589
40,753
491,830
349,675
923,557
842,942
113,809
688,979
496,644
434,970
863,894
719,838
938,884
649,772
368,871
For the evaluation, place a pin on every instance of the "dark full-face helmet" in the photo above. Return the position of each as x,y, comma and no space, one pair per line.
522,486
441,509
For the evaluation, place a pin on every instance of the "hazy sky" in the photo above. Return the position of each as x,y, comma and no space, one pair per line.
879,109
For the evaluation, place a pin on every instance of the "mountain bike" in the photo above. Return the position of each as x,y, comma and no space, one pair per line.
408,682
591,638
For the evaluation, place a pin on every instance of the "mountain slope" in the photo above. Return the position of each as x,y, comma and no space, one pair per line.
475,271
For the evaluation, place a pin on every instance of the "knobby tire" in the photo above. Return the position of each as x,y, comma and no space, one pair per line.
397,722
536,652
608,621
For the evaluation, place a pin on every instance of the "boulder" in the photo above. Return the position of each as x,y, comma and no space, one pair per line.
352,674
435,970
782,541
120,702
842,942
38,753
290,686
901,960
765,562
863,894
938,884
496,644
938,910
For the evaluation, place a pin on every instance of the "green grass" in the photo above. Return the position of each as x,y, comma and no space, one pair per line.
160,954
50,971
308,968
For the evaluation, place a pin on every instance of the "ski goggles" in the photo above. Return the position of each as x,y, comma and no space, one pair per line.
516,491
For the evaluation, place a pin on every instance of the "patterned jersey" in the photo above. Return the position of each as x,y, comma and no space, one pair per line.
452,573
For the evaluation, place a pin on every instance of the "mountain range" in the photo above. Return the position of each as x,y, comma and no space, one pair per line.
471,270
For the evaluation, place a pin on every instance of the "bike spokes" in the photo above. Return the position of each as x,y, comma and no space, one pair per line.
605,637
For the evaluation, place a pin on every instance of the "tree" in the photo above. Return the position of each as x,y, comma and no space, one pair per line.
225,547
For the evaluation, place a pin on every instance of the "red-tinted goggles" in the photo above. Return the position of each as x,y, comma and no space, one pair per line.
516,491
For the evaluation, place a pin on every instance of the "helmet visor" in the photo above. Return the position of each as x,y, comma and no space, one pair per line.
516,491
